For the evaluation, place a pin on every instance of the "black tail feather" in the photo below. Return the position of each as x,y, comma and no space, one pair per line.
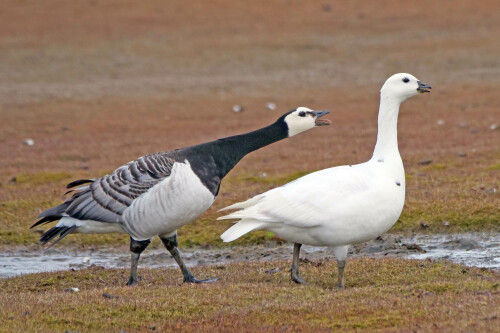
63,233
55,231
79,182
55,211
46,219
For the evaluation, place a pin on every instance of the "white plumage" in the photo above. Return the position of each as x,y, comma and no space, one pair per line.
342,205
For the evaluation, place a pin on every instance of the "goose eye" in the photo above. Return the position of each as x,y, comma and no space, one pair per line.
406,80
302,114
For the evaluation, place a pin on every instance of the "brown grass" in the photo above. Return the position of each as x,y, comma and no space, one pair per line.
381,295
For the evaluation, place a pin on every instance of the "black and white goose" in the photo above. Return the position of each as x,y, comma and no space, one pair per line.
161,192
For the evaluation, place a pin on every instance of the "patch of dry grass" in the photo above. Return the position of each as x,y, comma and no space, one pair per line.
387,295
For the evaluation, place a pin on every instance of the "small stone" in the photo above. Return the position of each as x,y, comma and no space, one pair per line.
64,128
440,122
72,290
238,108
414,247
463,125
29,142
473,131
326,7
462,154
273,271
492,190
271,106
13,180
86,260
445,223
424,225
108,296
425,162
263,175
494,127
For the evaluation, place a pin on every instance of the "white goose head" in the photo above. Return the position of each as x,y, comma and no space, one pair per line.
402,86
302,119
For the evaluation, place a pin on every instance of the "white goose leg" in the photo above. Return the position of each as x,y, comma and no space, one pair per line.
295,264
341,255
136,247
171,245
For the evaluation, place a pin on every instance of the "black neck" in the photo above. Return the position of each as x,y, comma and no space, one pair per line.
229,151
224,154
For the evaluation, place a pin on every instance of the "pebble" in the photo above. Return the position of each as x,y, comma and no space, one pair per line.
440,122
462,154
238,108
463,125
86,260
445,223
424,225
425,162
108,296
273,271
29,142
73,290
271,106
494,127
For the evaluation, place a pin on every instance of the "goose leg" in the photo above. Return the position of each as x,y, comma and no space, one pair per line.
341,265
295,264
172,246
341,255
136,247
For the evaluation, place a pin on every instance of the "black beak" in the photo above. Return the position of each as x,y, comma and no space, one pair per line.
319,114
321,122
423,87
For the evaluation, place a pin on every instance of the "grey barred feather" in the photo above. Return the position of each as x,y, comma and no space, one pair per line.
105,199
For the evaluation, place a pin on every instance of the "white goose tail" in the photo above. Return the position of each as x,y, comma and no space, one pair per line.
239,229
244,204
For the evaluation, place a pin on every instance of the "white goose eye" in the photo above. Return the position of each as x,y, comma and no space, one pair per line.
302,114
406,80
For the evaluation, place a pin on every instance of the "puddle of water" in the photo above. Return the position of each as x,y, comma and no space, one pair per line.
468,249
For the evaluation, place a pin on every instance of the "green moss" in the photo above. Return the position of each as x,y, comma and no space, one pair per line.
41,177
494,167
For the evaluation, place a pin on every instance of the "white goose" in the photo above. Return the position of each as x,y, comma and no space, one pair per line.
159,193
338,206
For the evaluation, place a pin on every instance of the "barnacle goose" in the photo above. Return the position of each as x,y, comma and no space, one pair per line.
159,193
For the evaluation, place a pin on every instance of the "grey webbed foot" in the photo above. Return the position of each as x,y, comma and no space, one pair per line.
171,245
297,278
195,280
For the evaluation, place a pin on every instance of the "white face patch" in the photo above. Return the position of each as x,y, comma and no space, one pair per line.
401,85
299,121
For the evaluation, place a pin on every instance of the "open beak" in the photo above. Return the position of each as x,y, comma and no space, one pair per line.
423,87
321,122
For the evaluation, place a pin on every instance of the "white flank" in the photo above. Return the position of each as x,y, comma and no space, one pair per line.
169,205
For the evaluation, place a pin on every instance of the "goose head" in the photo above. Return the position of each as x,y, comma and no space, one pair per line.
403,86
302,119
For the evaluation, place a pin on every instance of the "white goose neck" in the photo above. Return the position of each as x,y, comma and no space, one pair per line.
387,137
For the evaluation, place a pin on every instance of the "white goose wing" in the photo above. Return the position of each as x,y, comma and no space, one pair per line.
309,201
